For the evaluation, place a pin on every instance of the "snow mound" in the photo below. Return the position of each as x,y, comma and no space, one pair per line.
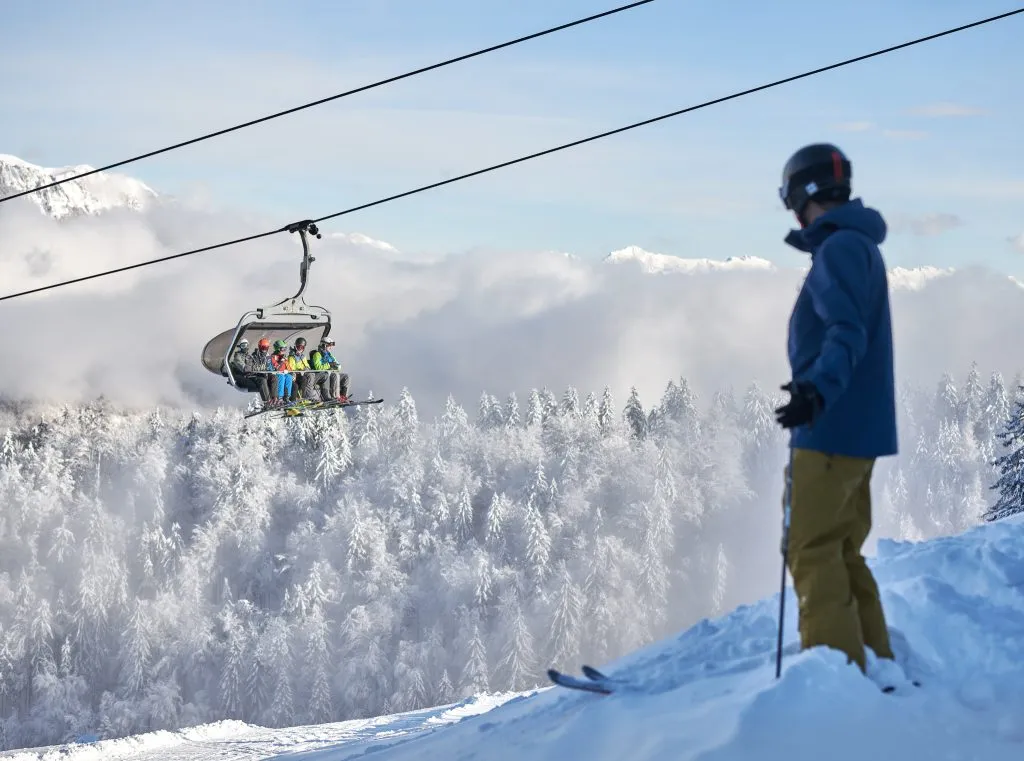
90,195
665,263
956,612
231,740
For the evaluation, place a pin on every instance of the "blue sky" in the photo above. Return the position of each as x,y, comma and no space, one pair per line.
932,131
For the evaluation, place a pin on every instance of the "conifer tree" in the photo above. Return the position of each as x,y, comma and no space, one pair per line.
1011,467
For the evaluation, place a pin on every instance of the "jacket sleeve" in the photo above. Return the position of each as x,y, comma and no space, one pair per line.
838,284
318,361
237,362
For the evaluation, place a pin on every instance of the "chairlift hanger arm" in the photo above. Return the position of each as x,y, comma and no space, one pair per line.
302,228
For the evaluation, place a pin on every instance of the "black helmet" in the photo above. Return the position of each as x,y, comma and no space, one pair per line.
817,172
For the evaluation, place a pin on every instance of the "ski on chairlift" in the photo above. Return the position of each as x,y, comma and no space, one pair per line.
271,331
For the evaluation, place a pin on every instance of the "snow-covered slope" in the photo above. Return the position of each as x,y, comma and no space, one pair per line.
666,263
89,195
236,740
956,612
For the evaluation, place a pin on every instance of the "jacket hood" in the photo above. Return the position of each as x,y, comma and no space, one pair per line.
852,215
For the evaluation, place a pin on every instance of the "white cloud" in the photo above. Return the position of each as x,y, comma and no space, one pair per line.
865,126
854,126
481,320
905,134
653,263
925,224
945,109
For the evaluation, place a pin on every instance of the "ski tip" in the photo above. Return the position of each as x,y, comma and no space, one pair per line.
592,673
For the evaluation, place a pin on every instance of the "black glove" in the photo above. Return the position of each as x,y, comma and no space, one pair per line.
804,405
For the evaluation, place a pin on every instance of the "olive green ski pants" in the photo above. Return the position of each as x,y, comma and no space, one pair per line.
839,603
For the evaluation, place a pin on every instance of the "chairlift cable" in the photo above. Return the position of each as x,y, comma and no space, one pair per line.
321,101
549,151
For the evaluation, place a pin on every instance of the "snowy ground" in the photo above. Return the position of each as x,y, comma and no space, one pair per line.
238,741
956,608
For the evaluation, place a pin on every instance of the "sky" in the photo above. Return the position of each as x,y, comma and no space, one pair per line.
478,294
927,128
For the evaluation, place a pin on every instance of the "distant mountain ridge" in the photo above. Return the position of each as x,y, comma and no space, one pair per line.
101,192
104,191
90,195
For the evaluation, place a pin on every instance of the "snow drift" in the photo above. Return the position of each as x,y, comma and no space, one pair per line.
956,613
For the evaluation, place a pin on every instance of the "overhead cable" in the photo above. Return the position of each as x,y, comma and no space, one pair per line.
330,98
521,159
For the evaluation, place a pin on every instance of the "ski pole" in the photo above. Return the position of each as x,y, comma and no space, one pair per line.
786,506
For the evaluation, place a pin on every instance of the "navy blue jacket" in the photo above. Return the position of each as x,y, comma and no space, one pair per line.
840,334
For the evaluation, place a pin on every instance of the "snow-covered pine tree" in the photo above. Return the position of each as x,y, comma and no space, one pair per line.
517,664
474,676
634,415
606,409
566,618
1011,467
971,397
512,418
535,408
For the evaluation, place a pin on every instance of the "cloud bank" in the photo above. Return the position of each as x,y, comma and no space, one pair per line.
496,320
925,224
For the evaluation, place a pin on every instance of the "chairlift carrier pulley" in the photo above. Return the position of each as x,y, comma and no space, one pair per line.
286,319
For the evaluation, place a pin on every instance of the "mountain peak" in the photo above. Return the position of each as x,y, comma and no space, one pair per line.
90,195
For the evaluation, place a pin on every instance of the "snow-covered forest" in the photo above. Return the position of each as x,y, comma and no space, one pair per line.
160,569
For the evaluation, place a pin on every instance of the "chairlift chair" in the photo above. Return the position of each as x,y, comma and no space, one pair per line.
287,319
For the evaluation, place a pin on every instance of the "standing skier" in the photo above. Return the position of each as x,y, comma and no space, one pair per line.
842,410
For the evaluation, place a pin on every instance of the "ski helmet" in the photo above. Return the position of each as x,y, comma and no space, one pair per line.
280,345
264,344
819,172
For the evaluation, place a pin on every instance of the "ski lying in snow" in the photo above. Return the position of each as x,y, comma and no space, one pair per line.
602,684
575,683
595,681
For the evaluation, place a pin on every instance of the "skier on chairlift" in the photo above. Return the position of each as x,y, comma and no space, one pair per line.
322,359
249,376
279,364
284,374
